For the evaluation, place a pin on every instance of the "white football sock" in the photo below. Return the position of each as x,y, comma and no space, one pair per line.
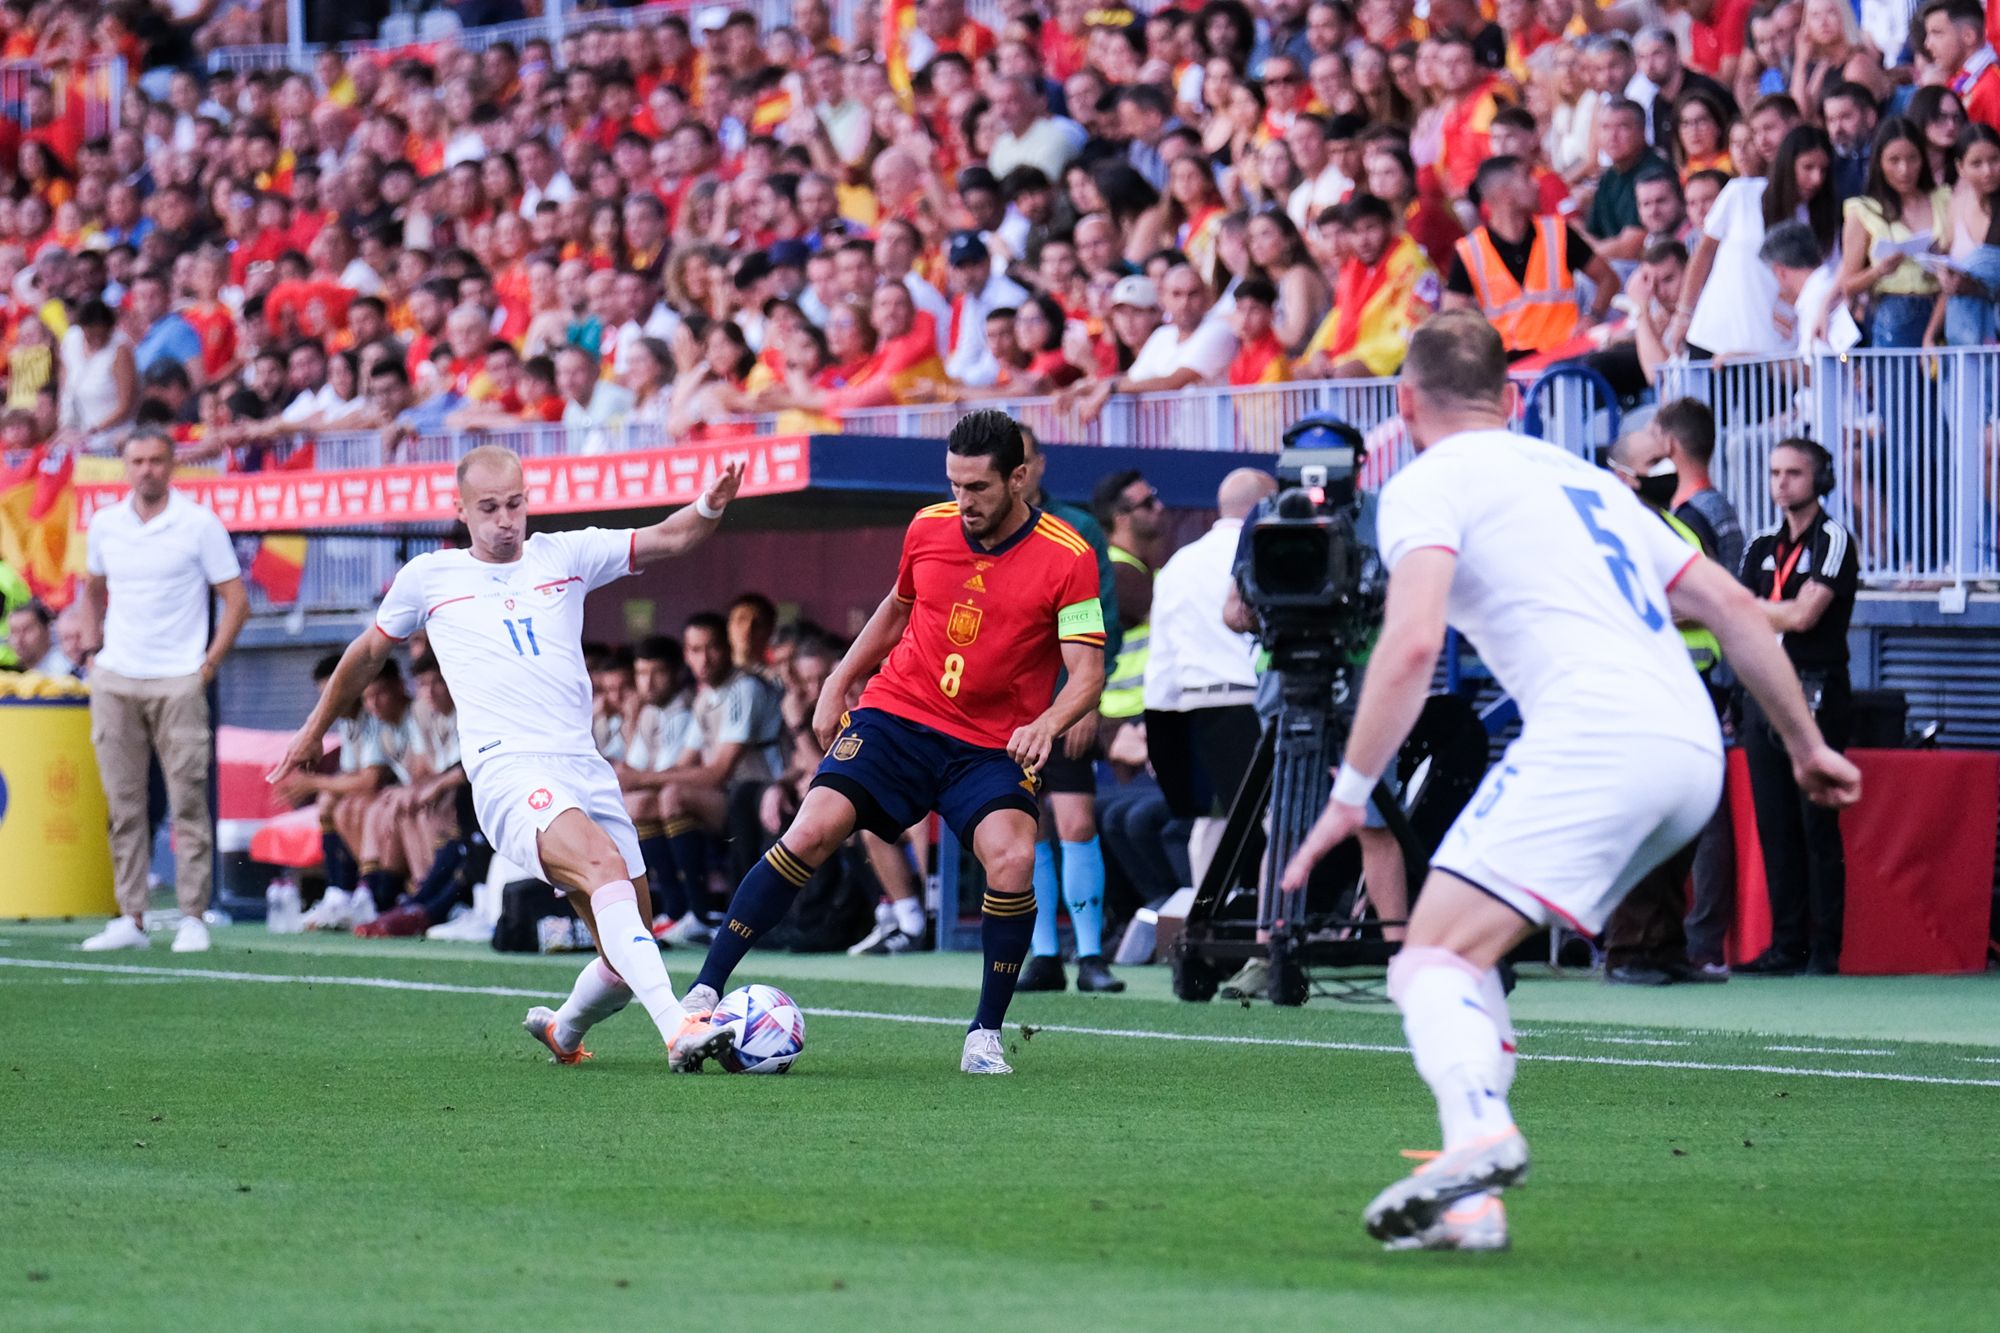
909,913
1455,1039
598,994
1495,997
630,947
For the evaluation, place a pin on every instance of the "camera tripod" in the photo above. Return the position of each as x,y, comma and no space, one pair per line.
1320,925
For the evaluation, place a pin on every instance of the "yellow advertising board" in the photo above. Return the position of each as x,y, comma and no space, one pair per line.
53,840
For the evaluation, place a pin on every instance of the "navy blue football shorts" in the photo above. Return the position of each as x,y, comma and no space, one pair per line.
895,772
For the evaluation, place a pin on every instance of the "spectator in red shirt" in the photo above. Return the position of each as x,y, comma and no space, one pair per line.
1955,38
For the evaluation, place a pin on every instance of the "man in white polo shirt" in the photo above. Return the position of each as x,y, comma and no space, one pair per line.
152,558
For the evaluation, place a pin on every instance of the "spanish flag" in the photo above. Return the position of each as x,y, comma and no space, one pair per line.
899,19
279,566
37,518
280,562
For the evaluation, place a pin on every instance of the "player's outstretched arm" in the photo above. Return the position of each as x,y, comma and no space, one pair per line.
1392,696
687,527
361,663
882,632
1706,593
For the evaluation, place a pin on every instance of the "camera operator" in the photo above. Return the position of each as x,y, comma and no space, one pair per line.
1804,573
1200,692
1383,871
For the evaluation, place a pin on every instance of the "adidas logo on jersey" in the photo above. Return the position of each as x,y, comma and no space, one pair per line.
976,583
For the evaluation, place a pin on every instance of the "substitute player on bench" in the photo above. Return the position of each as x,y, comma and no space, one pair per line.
1569,590
992,597
505,620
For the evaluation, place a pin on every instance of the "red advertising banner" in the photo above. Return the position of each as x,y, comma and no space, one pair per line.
428,492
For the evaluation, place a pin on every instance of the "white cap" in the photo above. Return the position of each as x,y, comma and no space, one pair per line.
711,20
1136,290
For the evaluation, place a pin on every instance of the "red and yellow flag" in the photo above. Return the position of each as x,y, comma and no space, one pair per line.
899,19
37,522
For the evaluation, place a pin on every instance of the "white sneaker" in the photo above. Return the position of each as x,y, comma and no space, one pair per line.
1414,1204
120,932
700,1001
360,909
982,1054
690,932
191,936
1475,1223
329,913
465,928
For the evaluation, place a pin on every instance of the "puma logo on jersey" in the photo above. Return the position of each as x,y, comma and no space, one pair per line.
976,583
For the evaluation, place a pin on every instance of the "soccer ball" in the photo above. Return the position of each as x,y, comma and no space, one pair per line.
770,1030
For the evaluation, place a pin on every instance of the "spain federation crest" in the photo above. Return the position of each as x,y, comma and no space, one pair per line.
962,625
847,747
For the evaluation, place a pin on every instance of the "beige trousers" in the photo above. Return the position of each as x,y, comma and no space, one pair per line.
130,720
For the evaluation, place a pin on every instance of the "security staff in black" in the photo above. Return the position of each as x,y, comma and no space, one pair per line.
1804,573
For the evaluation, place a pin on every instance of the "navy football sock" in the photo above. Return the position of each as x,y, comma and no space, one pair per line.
688,844
761,901
440,888
1007,926
384,886
664,881
341,872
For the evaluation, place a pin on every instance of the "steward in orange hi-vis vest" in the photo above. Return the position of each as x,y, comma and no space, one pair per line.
1538,312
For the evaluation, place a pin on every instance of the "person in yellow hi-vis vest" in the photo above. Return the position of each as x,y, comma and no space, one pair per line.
1645,941
1132,815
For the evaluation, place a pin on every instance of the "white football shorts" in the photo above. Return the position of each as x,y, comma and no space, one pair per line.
519,795
1563,831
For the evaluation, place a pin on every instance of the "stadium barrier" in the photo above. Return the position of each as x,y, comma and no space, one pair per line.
1913,434
89,98
1913,438
416,34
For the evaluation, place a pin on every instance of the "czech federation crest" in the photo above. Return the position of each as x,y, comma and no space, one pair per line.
962,626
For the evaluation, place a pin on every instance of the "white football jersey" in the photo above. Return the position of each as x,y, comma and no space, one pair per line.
510,638
1561,585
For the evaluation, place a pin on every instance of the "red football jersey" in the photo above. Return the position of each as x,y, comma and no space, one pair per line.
983,648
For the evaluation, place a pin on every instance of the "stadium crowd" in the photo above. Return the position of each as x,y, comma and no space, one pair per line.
678,222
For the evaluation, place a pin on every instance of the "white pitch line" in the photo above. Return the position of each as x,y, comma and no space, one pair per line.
1825,1050
1135,1034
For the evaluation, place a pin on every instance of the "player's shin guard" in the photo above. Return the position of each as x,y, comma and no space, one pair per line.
1047,942
627,942
689,845
1083,894
598,993
1008,921
1454,1022
761,901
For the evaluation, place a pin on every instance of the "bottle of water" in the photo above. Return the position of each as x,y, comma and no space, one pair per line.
281,905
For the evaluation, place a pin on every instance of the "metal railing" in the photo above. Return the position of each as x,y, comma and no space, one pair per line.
402,32
1913,436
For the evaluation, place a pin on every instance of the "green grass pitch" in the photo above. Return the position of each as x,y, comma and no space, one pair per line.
275,1147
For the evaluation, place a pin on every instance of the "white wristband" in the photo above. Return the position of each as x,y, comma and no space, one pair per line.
1351,787
701,506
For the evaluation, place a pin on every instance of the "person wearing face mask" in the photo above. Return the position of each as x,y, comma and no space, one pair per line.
1645,943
